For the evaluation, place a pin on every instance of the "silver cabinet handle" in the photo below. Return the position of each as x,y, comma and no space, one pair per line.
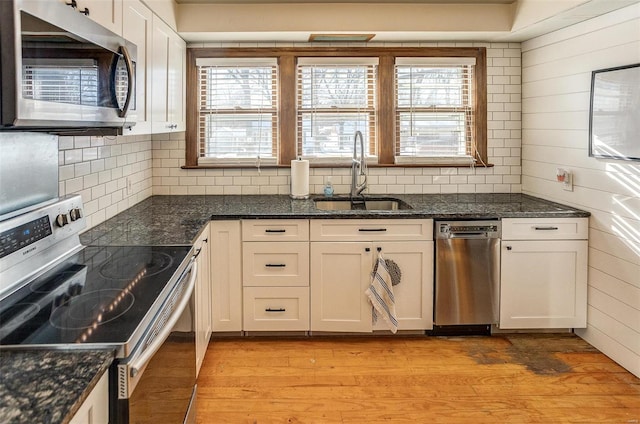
545,228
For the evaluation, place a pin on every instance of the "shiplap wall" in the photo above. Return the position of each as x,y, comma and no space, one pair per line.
503,103
556,75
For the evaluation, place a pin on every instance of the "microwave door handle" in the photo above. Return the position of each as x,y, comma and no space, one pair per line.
138,364
129,64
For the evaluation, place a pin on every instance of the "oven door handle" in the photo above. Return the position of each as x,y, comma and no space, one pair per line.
137,364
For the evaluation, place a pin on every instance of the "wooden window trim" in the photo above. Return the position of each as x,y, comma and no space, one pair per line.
385,122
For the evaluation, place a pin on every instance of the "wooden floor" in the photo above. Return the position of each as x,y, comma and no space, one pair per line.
498,379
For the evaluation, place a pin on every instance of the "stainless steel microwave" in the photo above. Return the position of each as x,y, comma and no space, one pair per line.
62,72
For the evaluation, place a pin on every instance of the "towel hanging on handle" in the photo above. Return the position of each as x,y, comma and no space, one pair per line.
380,294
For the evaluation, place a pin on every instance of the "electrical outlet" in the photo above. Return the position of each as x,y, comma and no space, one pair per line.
129,186
566,178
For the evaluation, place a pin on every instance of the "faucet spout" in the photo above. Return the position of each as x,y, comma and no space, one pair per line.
358,168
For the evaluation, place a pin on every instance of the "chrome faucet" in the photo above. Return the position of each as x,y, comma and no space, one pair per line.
358,168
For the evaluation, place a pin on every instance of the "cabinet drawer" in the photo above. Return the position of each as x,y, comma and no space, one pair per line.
545,228
275,230
275,264
276,308
371,229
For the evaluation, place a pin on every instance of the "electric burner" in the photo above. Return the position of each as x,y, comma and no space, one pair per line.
127,267
91,309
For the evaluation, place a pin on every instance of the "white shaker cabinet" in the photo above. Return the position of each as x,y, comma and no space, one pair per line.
543,273
137,23
343,253
340,274
225,246
168,63
107,13
202,297
275,275
95,408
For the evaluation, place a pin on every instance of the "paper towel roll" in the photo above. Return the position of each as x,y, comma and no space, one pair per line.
300,179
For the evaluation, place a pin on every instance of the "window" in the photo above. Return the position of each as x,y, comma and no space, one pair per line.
238,110
336,98
414,106
434,109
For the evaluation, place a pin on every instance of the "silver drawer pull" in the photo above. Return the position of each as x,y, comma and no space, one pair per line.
372,229
268,230
275,310
545,228
275,265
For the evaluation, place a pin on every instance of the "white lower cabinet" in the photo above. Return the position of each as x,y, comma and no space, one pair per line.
276,308
544,273
341,273
202,297
95,408
226,276
275,275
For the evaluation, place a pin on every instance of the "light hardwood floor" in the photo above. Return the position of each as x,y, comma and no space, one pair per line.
498,379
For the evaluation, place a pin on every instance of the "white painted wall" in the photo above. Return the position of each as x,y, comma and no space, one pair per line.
556,77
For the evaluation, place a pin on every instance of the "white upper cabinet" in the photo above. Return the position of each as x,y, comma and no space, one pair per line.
168,62
137,20
107,13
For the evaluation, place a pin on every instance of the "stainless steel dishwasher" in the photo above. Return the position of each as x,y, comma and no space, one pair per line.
467,273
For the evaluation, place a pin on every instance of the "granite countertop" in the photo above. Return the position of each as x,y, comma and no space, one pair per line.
177,220
48,386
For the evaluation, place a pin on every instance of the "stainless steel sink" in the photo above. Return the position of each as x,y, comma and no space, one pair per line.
345,204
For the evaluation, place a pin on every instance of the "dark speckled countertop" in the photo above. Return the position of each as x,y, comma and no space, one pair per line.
176,220
47,386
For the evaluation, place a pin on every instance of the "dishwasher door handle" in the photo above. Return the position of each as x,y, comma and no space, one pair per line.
479,235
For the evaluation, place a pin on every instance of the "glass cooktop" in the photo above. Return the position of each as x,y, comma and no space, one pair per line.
98,296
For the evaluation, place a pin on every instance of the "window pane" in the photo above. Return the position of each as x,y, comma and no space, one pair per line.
334,101
238,112
432,134
247,88
431,87
331,134
238,136
327,87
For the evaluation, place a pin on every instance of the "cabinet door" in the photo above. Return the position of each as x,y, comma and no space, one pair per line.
340,274
168,79
107,13
543,284
137,22
176,83
95,408
225,273
414,295
161,35
202,299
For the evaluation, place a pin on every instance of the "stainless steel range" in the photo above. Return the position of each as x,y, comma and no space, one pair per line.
56,293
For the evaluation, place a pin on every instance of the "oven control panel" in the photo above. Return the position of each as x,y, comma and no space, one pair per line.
55,226
22,236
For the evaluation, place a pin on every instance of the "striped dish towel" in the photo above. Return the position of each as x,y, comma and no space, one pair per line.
380,294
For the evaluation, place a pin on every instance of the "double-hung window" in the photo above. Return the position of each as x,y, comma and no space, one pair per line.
237,110
435,110
335,98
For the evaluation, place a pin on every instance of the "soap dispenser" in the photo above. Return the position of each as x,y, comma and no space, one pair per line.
328,188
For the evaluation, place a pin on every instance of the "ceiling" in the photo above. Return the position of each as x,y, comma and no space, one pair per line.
202,21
